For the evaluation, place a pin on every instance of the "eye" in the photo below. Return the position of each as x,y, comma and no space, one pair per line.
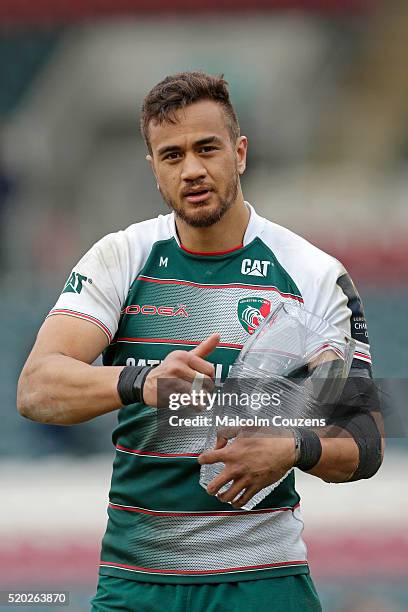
172,155
208,149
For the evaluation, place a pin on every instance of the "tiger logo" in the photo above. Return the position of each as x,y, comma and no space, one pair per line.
252,311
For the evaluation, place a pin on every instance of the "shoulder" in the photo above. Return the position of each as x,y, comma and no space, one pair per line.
138,238
118,257
298,256
109,267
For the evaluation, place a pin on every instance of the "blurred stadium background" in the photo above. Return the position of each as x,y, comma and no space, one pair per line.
321,89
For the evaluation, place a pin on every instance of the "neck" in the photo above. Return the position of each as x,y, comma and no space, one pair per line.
226,234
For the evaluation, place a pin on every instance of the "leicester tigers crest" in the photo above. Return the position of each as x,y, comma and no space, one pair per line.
252,311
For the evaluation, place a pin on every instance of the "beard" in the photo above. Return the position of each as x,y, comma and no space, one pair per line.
202,217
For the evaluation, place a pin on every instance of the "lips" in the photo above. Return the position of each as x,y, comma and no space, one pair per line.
197,195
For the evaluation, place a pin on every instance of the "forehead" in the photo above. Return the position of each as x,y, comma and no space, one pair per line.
194,122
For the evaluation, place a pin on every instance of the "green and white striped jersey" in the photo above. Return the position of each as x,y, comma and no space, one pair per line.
151,296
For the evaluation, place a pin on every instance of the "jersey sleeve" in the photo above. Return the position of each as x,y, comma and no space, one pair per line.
98,285
335,298
357,319
324,284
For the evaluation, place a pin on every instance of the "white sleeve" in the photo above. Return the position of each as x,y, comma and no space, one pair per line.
356,320
332,295
98,284
326,288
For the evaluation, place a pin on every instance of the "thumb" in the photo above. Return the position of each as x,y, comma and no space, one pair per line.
206,346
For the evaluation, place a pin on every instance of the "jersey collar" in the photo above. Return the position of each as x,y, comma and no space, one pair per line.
254,227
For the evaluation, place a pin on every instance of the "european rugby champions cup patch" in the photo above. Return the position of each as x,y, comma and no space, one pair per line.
252,311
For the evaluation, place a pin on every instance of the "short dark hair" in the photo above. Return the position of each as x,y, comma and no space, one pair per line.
180,90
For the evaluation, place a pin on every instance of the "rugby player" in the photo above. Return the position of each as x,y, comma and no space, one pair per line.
165,299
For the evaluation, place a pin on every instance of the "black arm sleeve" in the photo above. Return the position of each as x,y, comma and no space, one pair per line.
354,414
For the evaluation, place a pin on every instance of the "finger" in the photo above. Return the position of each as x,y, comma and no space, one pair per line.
190,395
175,395
201,365
249,493
212,456
199,399
176,384
223,435
228,432
198,381
220,481
235,489
206,346
190,375
208,385
201,389
188,384
202,382
221,442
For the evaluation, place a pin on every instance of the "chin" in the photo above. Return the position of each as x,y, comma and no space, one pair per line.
202,221
202,218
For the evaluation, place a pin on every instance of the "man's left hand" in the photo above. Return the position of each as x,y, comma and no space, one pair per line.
257,458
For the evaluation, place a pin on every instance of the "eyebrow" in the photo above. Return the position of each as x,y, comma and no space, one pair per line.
199,143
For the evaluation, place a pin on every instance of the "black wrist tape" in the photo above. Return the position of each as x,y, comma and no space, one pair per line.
310,450
130,384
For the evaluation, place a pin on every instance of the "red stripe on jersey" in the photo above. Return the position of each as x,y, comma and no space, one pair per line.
150,570
362,356
175,281
171,341
81,315
199,513
236,248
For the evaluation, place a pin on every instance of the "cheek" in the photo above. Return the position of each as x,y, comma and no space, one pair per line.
226,166
168,179
224,172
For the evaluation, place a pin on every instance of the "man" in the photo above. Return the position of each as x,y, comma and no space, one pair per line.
171,291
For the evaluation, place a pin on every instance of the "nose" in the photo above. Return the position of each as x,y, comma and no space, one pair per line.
192,168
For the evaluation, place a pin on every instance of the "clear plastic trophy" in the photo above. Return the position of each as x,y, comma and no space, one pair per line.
297,360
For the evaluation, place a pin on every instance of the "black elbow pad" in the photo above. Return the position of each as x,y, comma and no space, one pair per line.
364,430
354,414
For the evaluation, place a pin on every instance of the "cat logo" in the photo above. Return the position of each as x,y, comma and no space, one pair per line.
74,283
255,267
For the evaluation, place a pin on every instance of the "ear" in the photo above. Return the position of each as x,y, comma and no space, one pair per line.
241,153
149,159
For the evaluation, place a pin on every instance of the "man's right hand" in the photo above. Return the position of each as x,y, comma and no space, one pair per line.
178,371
